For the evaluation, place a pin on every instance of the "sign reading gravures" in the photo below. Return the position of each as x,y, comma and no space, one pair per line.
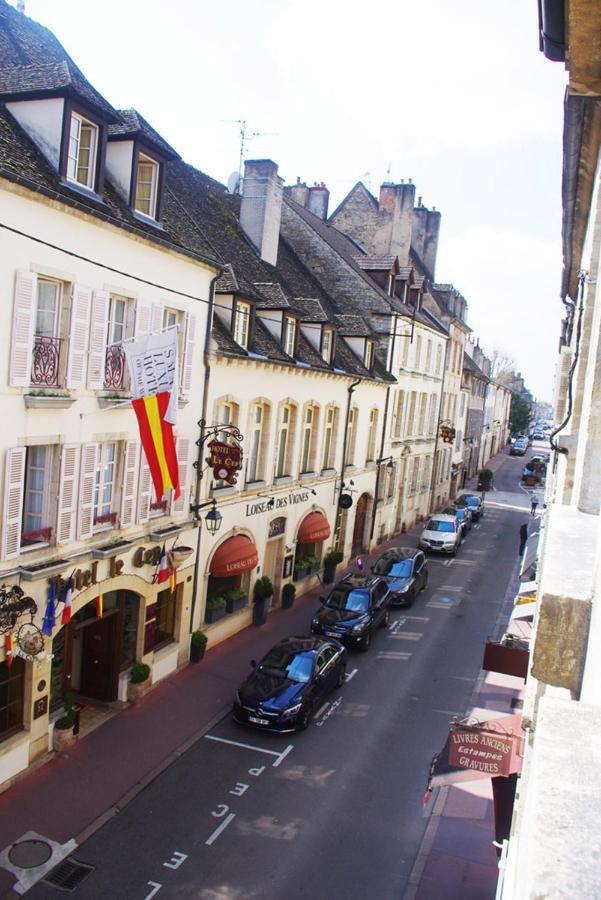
225,460
481,750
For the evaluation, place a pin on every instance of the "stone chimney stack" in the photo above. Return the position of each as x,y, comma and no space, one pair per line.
299,192
319,198
395,220
261,207
431,241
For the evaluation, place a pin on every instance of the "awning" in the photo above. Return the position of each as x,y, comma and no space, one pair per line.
237,554
527,592
314,528
523,610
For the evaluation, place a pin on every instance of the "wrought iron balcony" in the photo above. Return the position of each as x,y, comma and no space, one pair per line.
115,376
45,365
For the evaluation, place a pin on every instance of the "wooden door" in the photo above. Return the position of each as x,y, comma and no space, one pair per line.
99,664
359,529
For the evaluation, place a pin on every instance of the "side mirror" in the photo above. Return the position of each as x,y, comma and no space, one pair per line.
253,663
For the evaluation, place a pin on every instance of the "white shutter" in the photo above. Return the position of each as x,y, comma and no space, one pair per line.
24,306
98,336
87,478
143,317
81,302
182,447
144,490
66,518
12,510
156,319
129,485
188,361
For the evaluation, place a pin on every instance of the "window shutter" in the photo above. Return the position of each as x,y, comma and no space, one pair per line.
187,367
98,336
130,483
143,317
66,518
79,327
24,305
144,490
86,490
183,463
156,319
12,510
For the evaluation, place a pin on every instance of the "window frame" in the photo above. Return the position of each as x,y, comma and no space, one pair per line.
306,460
351,436
290,335
48,514
283,444
327,351
144,159
9,675
368,355
255,430
329,438
372,435
100,485
73,114
240,316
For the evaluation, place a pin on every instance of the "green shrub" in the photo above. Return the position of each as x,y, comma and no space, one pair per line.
333,557
263,588
198,639
288,592
485,474
68,720
234,594
140,673
216,603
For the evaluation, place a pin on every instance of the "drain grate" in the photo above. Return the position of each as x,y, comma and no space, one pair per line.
69,875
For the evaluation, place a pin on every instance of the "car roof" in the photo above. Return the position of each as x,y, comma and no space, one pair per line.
300,643
442,517
356,580
398,553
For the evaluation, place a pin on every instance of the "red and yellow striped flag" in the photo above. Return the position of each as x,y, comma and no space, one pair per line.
158,442
8,649
99,606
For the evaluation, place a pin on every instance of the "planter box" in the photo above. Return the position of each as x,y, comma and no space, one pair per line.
196,653
180,555
110,550
62,739
232,606
329,573
136,690
260,610
213,615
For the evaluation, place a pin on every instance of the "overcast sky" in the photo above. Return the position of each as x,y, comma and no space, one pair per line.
451,93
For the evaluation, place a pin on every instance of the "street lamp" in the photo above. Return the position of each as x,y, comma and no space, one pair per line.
213,518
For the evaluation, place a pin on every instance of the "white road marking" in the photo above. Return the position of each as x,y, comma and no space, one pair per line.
396,625
448,562
322,709
219,829
450,587
155,888
418,618
284,753
333,707
393,654
176,860
350,675
476,552
408,636
464,562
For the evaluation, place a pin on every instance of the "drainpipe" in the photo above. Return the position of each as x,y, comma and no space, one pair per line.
350,390
200,443
437,436
374,511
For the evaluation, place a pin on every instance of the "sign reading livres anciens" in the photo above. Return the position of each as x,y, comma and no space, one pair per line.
225,460
481,750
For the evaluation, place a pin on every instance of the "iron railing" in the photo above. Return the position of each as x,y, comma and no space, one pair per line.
45,366
115,376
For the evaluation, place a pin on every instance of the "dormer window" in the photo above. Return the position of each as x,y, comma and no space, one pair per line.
147,180
327,340
241,323
368,356
290,335
81,157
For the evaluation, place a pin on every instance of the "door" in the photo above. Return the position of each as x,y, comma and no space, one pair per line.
99,670
359,529
269,560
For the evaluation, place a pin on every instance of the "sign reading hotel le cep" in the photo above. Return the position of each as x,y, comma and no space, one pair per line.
481,750
225,460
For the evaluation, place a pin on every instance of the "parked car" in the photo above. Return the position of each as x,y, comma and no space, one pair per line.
473,502
519,447
442,534
406,572
290,683
353,609
538,435
538,464
462,513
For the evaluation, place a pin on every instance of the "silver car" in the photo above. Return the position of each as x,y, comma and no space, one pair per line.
442,534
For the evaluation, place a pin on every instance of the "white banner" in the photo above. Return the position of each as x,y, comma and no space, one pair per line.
152,362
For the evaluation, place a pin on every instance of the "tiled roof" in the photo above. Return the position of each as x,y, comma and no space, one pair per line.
405,273
273,295
310,310
352,326
375,263
134,125
418,282
227,282
470,366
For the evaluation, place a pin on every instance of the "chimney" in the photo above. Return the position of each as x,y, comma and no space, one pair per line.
261,207
431,241
395,221
319,197
299,192
418,233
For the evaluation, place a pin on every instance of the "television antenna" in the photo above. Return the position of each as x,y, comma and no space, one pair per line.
244,138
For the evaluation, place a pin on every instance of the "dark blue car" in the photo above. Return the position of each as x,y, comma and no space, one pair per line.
406,572
353,609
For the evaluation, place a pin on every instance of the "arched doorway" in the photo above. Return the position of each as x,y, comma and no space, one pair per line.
358,545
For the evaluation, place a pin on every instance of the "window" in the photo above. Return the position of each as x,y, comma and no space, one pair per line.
37,514
160,620
428,356
368,356
329,438
411,416
45,364
227,414
390,481
406,342
308,433
351,433
432,415
105,485
438,359
12,679
146,186
290,335
81,157
241,323
372,436
422,413
253,471
398,417
326,344
413,477
283,439
119,327
418,352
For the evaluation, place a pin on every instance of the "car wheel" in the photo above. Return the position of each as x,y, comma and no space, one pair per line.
304,719
365,643
341,676
385,620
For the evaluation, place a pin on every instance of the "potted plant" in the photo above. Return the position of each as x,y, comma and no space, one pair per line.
235,599
63,736
330,561
139,679
215,609
312,562
288,595
262,594
198,645
301,569
485,477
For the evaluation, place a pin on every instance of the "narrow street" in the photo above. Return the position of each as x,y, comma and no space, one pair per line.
335,811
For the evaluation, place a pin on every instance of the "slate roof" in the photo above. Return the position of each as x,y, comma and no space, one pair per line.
309,309
353,326
227,283
274,297
405,273
132,125
375,263
470,366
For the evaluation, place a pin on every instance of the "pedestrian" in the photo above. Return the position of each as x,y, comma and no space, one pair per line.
523,537
533,506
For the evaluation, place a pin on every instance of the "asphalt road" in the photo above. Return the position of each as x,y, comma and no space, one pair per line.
334,812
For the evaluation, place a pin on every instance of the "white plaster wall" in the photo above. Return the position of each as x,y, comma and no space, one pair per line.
119,164
43,122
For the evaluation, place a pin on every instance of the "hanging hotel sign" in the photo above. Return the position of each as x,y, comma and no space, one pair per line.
474,747
225,460
447,433
13,604
29,643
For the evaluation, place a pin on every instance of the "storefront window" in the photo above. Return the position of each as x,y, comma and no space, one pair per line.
160,620
129,630
307,559
11,697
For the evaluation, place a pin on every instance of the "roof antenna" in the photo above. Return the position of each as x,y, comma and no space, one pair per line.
244,138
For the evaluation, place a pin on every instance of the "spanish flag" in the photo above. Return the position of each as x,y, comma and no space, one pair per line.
99,606
8,649
158,442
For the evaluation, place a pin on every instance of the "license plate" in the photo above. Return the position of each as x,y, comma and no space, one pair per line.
258,721
331,633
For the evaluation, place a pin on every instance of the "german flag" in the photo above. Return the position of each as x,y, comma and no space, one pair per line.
158,442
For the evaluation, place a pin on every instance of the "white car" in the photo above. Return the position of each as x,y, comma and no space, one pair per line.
442,534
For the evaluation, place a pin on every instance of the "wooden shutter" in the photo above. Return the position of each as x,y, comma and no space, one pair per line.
87,478
143,317
156,318
66,518
144,490
79,329
130,483
98,337
188,361
24,306
12,510
182,446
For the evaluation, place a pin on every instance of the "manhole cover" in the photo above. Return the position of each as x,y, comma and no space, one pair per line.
69,874
29,854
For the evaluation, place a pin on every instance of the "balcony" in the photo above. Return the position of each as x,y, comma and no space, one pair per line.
45,364
115,374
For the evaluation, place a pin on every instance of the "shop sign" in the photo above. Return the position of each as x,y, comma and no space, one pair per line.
40,707
13,604
146,556
447,433
481,750
276,527
261,506
82,578
225,460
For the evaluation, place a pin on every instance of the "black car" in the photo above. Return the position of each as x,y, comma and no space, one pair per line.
290,683
353,609
473,502
519,447
406,572
462,513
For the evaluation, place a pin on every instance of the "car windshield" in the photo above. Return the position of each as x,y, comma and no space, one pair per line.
472,501
287,664
353,601
437,525
401,569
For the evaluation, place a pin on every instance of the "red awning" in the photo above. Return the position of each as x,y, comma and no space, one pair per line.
237,554
314,528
